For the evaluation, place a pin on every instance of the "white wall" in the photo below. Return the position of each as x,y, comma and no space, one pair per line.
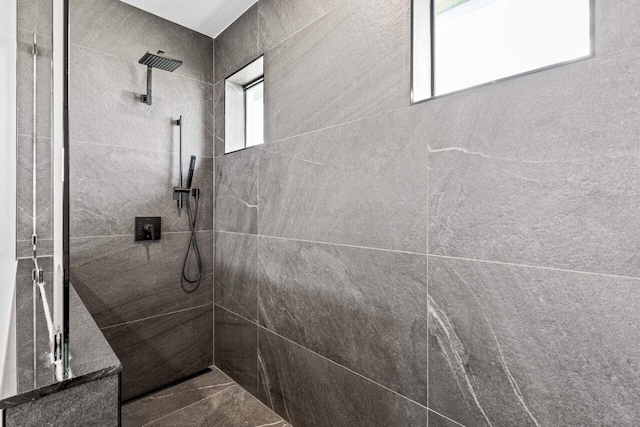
8,45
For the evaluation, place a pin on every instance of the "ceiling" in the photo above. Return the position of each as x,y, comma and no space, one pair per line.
208,17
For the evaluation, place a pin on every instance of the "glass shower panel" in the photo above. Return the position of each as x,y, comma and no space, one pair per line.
39,330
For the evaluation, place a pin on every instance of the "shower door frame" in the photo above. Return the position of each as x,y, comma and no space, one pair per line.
60,187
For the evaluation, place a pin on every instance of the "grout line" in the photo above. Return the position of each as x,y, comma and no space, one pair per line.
589,273
133,61
324,243
154,317
132,235
236,314
77,141
445,417
592,273
344,367
303,28
190,405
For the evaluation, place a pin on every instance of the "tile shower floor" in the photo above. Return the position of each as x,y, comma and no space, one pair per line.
209,399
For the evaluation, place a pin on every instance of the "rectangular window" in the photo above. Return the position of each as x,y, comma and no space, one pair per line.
458,44
254,113
244,107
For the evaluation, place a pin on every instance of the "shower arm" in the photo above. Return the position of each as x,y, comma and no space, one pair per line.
147,98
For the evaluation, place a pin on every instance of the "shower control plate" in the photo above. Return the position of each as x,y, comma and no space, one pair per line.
143,234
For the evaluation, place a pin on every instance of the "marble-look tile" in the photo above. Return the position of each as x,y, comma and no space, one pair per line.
237,45
118,29
351,63
437,420
106,108
233,407
540,170
218,108
309,390
280,19
522,346
113,185
364,309
35,16
617,25
90,404
181,396
363,183
236,279
24,86
121,280
24,184
236,195
236,352
162,349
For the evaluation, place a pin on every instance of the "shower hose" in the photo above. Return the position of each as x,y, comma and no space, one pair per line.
193,240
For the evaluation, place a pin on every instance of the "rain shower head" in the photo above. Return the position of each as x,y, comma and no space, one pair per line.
160,61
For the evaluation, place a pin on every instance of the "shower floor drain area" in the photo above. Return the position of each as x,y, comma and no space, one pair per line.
210,399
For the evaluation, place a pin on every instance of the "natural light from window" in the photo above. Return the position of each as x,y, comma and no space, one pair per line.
254,114
479,41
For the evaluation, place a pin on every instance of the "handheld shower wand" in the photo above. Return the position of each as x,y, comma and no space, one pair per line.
192,166
193,215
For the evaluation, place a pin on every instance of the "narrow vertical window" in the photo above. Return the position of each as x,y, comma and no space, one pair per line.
254,113
244,107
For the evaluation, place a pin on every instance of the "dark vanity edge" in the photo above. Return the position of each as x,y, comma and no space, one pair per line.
96,361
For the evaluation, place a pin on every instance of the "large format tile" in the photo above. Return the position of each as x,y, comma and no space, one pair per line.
237,45
309,390
351,63
617,25
280,19
113,185
159,350
181,396
524,346
364,309
106,108
541,170
121,280
233,407
24,182
362,183
236,279
236,348
236,194
118,29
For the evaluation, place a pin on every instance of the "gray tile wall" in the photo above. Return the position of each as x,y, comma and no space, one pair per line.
470,260
124,163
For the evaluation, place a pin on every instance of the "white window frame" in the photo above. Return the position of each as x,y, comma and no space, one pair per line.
235,104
